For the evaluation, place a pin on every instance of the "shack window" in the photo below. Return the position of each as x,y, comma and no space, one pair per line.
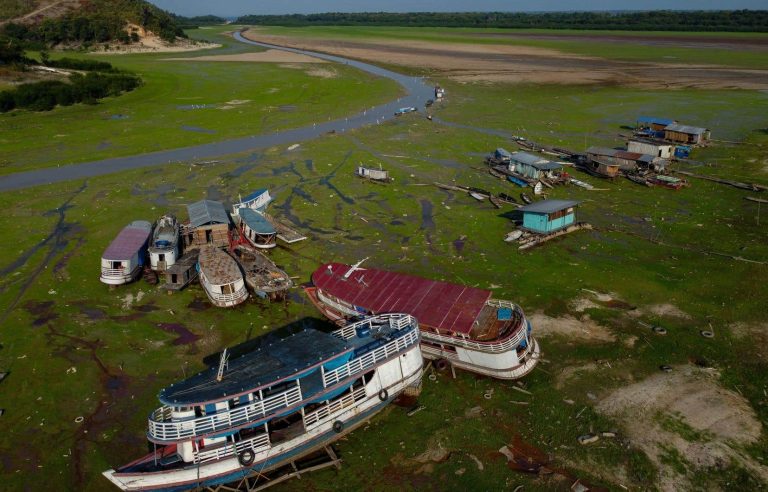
560,213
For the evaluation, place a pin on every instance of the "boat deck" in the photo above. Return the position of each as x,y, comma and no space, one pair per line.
218,266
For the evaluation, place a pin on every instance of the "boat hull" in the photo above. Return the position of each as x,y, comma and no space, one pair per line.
112,278
230,470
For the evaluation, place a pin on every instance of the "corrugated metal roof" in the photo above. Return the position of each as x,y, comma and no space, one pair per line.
548,206
602,151
256,194
129,241
526,158
691,130
256,221
442,305
207,212
653,119
503,153
547,166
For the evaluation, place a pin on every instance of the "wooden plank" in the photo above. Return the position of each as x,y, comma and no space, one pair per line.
753,199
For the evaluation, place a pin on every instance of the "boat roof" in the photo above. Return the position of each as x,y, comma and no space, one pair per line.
257,222
219,267
691,130
446,306
129,241
256,194
207,212
548,206
266,366
526,158
602,151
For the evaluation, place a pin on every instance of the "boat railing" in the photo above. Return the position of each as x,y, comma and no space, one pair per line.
371,358
332,408
510,343
397,321
163,428
256,444
217,296
115,272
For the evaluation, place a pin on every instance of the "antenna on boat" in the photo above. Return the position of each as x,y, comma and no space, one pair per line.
222,364
355,267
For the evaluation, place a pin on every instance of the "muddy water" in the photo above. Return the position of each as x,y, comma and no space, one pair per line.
185,337
416,93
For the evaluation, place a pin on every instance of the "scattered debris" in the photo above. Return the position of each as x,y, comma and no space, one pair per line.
588,439
413,411
479,463
665,368
707,334
72,370
79,420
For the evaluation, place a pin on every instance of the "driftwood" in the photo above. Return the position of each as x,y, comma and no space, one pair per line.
753,199
735,184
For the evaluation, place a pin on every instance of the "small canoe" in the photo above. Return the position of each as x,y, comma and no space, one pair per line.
507,198
477,196
519,182
638,179
582,184
495,201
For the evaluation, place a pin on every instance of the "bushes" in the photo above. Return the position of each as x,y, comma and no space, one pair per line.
44,96
74,64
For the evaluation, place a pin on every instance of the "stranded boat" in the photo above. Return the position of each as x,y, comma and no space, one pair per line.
221,278
376,175
261,274
123,260
272,406
164,248
460,324
257,229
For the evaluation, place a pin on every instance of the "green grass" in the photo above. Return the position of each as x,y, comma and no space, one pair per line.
349,219
609,49
184,103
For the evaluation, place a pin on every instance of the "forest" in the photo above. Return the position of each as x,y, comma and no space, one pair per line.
725,20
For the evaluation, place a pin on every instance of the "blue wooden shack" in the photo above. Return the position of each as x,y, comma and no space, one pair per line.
548,216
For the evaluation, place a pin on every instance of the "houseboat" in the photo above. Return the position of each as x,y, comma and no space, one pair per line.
208,224
261,274
183,272
164,248
378,175
221,278
272,406
258,201
461,326
256,229
123,260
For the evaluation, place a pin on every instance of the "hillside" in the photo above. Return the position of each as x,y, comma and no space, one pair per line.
86,22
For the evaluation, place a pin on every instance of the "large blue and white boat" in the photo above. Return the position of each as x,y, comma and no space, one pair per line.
272,406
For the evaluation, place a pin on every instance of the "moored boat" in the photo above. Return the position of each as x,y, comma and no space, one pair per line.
257,229
261,274
272,406
460,324
670,182
124,258
164,247
221,278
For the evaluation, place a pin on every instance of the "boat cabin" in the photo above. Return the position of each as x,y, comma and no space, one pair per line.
183,272
548,216
691,135
257,229
258,201
665,151
164,247
123,260
208,224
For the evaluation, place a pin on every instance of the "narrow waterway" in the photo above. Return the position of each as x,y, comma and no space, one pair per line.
417,92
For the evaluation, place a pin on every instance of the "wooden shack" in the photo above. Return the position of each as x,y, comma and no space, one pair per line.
208,224
548,216
665,151
183,272
653,123
691,135
532,166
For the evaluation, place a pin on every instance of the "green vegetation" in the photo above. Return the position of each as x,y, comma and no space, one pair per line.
14,8
197,21
655,20
676,424
58,317
98,21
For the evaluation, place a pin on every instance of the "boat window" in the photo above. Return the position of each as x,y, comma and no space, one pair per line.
226,289
162,257
208,236
279,388
174,278
116,265
285,428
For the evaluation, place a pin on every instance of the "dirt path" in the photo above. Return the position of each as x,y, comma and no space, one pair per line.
466,62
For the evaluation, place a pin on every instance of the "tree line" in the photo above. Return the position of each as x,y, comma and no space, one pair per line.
657,20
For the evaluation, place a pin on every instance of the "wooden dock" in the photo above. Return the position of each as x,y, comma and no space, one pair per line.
285,232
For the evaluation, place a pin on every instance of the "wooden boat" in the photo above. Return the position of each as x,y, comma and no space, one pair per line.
256,229
261,274
272,406
507,198
164,247
668,181
125,257
513,236
221,278
525,198
478,196
459,324
495,201
582,184
519,182
637,179
496,174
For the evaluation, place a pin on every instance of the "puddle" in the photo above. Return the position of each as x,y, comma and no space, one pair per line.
287,108
146,308
236,173
290,168
199,304
116,117
397,222
197,129
190,107
92,313
43,310
458,244
310,165
295,296
427,219
185,337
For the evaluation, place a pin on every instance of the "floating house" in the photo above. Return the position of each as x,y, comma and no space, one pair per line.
124,258
664,151
221,278
653,123
208,224
460,325
164,248
685,134
548,216
624,160
254,227
183,272
532,166
274,405
258,201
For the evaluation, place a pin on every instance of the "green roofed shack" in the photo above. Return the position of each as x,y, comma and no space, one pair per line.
549,216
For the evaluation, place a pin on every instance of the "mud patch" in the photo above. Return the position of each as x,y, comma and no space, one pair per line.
185,337
688,412
583,328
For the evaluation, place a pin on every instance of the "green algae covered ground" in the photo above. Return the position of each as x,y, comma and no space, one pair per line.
86,362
